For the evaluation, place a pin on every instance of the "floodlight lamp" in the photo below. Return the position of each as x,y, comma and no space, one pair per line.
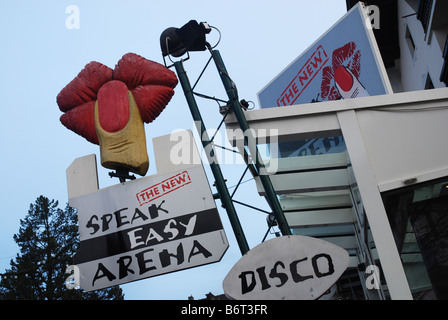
271,220
191,37
171,43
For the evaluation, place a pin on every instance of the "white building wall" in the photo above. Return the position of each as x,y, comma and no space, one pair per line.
392,141
421,56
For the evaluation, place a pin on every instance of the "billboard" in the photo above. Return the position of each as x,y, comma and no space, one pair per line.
145,227
343,63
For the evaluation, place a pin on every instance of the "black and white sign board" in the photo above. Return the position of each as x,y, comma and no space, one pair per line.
286,268
146,227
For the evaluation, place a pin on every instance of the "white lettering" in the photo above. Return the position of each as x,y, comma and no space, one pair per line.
189,227
183,151
73,20
72,282
135,239
172,229
373,17
373,280
168,229
153,235
198,310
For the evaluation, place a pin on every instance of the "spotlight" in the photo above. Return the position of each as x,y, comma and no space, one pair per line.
271,220
191,37
178,41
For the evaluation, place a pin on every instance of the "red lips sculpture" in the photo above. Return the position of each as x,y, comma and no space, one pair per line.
108,107
346,55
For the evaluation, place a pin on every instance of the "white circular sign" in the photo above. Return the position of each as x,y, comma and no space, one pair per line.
289,267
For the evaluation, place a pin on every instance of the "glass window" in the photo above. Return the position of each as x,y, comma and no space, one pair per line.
419,220
312,184
311,147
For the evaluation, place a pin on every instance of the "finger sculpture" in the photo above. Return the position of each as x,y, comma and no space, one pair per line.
109,107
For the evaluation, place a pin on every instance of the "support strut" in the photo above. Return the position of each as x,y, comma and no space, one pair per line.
216,170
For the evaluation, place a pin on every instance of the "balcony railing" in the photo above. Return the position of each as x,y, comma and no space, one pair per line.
424,13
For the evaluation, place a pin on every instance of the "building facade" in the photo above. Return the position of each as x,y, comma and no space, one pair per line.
412,37
382,192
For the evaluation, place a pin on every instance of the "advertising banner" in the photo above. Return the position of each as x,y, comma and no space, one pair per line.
343,63
147,227
286,268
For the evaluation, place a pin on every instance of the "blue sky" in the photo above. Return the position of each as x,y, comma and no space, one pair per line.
40,55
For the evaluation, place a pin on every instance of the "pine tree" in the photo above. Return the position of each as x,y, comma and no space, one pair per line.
47,238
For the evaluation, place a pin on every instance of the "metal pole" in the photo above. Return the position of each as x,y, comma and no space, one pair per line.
216,170
253,149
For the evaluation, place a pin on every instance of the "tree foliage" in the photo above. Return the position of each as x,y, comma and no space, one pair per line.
47,238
